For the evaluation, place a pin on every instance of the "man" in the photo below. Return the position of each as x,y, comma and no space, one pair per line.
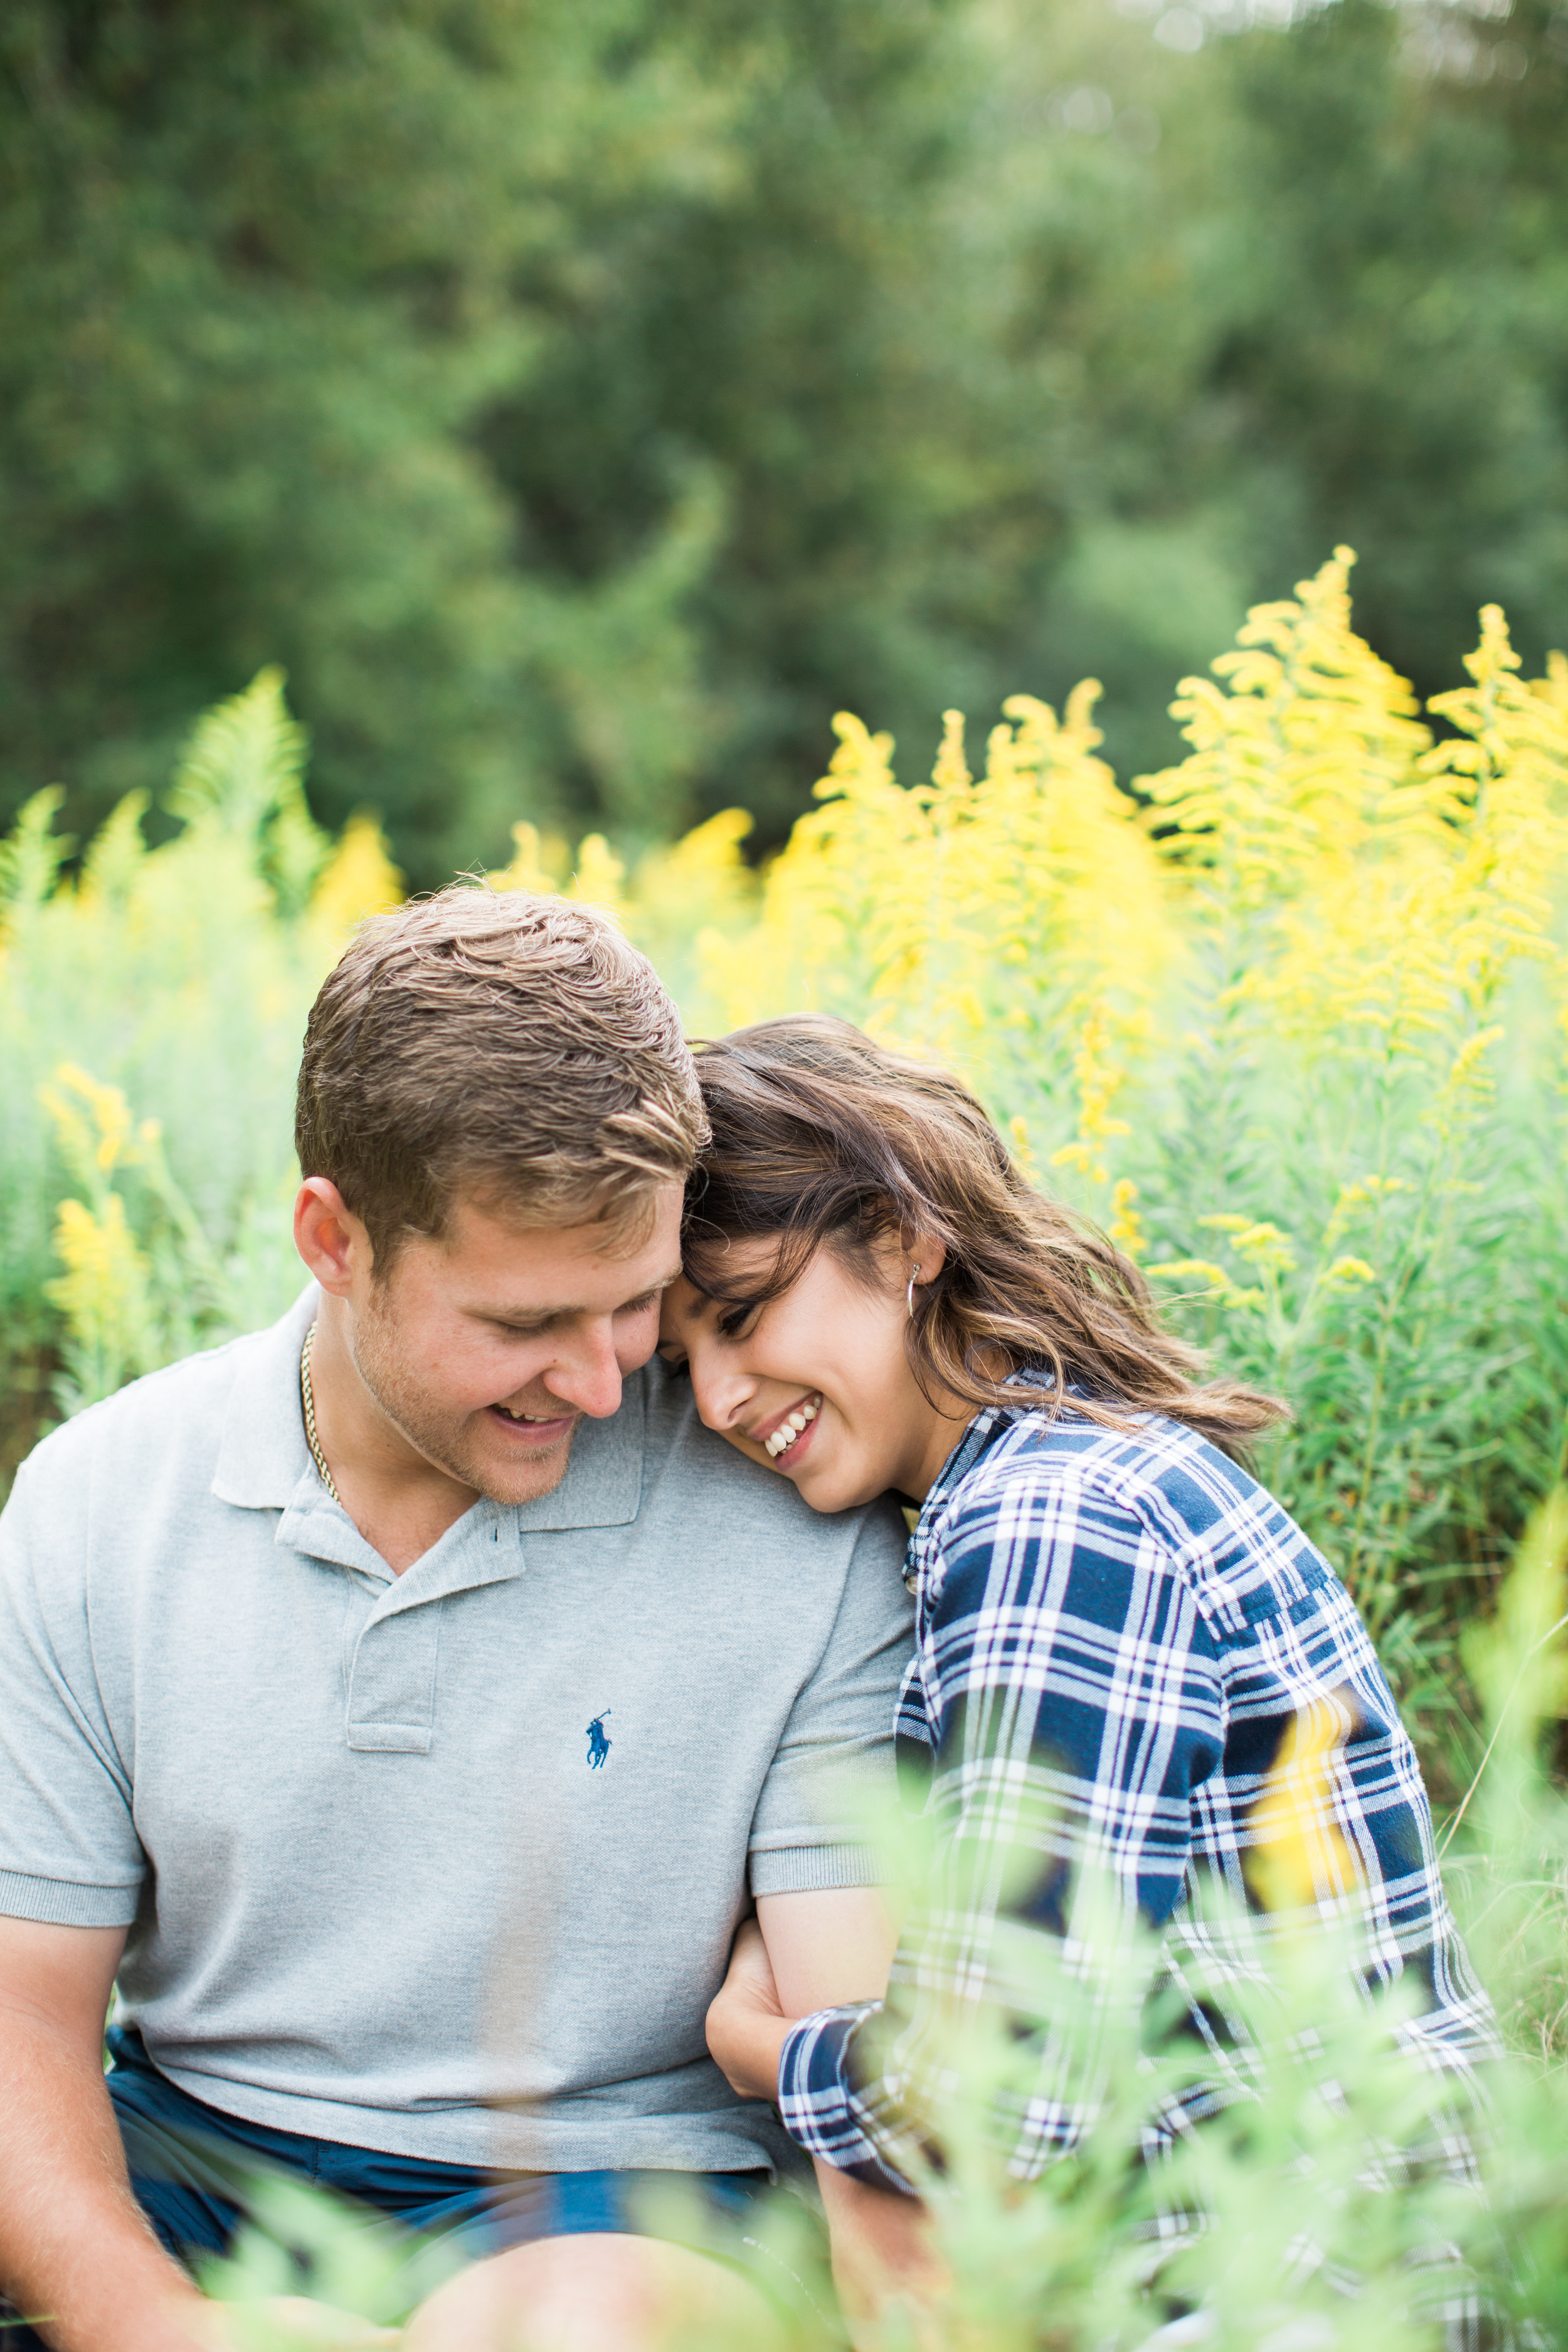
404,1704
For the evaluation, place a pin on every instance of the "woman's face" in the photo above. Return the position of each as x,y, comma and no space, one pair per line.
815,1385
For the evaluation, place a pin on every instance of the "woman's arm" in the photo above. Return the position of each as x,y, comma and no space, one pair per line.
827,1949
1075,1703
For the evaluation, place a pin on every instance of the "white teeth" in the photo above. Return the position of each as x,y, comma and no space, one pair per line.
789,1429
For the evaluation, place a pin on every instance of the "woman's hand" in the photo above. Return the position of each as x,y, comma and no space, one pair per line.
746,2026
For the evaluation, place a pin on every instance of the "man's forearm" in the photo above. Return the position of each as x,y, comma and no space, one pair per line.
75,2251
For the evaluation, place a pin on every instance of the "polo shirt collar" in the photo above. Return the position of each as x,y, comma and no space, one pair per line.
263,1455
264,1462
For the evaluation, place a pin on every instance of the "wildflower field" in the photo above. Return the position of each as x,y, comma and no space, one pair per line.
1290,1019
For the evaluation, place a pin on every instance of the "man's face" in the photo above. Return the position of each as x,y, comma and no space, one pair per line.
484,1350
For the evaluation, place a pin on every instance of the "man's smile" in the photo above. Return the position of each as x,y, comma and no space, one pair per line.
533,1429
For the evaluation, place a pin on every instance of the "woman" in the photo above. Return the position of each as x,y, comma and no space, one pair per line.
1120,1635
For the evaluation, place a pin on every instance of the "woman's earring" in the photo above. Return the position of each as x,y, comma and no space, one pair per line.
910,1298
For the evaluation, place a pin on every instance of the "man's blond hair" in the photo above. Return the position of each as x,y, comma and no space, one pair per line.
512,1050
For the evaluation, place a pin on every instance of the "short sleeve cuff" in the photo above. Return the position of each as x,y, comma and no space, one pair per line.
58,1903
803,1869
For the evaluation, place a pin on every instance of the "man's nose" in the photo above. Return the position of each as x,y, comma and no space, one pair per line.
588,1374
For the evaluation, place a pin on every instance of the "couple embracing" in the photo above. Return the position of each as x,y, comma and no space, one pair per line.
449,1717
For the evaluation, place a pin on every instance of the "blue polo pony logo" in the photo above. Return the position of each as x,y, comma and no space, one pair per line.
598,1745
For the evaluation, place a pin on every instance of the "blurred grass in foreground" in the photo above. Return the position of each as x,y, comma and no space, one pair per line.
1322,2208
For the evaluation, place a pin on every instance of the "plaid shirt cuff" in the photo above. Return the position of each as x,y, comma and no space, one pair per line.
816,2097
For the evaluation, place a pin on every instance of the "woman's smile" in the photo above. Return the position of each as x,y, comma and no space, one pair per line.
817,1380
787,1434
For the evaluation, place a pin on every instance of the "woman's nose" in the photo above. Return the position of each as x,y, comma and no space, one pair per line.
722,1396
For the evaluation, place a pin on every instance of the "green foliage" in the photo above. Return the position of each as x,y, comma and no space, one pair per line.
176,978
450,354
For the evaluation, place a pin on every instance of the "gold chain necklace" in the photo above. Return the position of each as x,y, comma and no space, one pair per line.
307,1400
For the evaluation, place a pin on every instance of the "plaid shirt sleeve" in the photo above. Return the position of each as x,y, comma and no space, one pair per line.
1115,1634
1073,1703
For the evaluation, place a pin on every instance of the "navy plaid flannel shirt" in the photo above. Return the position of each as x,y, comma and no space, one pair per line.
1116,1632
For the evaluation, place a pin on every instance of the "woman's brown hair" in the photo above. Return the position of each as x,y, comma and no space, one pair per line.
822,1137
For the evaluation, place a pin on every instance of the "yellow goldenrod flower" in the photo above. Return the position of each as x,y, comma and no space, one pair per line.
1299,1856
1126,1227
600,874
104,1292
359,879
531,866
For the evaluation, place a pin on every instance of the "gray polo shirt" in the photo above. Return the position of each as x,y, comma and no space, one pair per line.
446,1863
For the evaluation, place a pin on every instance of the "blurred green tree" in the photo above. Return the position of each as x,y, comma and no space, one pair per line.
441,349
259,277
1399,343
1331,306
585,398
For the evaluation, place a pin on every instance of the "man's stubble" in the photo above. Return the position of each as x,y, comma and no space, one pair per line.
381,1358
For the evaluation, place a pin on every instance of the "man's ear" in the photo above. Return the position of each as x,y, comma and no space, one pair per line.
328,1236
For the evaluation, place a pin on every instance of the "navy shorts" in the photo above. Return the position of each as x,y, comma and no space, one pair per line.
201,2176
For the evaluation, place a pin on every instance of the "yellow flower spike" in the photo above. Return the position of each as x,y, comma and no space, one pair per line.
951,772
1350,1269
1077,724
1218,1283
94,1130
358,879
104,1292
1467,1069
1023,1150
963,910
861,758
1299,1854
1267,1248
114,1126
1098,1078
599,877
1126,1227
1292,751
1323,877
529,867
